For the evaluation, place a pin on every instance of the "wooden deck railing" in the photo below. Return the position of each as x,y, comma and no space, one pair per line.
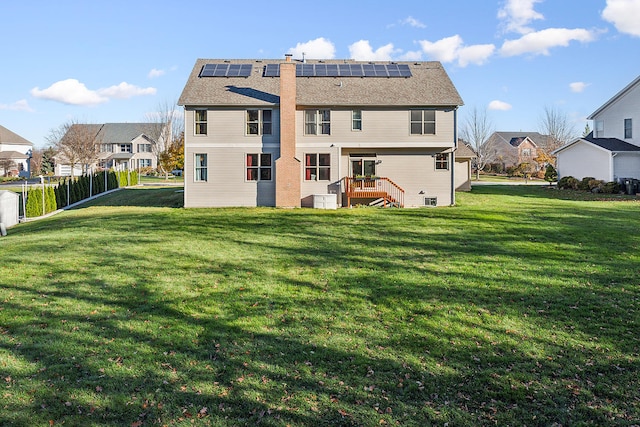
374,188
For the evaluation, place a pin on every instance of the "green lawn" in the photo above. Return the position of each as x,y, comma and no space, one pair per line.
519,306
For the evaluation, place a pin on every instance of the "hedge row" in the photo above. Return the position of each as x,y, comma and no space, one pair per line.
70,191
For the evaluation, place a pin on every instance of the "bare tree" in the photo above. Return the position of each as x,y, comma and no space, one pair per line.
6,164
476,129
75,143
557,125
165,126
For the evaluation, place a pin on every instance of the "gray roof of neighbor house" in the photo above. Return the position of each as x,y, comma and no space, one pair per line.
13,155
611,144
515,138
429,85
463,150
8,137
111,133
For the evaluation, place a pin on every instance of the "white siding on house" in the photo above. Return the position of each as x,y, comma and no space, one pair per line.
584,159
625,107
626,165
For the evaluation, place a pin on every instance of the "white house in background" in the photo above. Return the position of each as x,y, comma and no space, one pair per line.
612,151
122,146
14,150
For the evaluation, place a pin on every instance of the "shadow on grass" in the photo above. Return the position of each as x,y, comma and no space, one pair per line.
362,317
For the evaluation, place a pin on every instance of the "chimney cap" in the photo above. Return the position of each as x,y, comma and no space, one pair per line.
287,56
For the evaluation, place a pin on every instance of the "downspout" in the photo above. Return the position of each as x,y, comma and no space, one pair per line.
613,154
453,156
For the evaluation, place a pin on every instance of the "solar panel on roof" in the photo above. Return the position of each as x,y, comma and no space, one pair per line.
330,70
344,70
272,70
356,70
226,70
380,70
404,70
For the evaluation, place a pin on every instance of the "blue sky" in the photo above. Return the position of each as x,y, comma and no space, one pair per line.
118,61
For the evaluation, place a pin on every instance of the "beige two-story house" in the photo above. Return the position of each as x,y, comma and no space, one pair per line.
290,133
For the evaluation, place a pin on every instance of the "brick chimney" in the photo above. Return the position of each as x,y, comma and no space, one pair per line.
287,166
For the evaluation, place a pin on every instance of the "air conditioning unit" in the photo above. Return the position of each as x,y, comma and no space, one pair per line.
431,201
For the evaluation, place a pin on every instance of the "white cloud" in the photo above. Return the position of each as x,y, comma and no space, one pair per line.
319,48
362,51
499,105
450,49
623,14
73,92
69,91
125,91
578,86
21,105
155,73
411,21
517,14
539,42
477,54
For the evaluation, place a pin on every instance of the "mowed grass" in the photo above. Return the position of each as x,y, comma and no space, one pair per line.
518,306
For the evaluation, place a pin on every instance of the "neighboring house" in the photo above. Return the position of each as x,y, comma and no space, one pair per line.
464,157
15,152
285,133
513,148
122,146
612,151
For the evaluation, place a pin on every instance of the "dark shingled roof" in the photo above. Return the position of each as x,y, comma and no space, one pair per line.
429,85
611,144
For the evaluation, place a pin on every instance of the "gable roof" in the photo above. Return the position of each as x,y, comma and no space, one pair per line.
516,138
113,133
13,155
613,145
429,85
463,150
615,97
8,137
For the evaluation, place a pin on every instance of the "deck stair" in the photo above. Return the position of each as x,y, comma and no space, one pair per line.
379,191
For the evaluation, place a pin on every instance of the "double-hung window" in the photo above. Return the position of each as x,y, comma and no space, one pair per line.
258,122
200,168
125,148
423,122
317,122
144,148
144,163
356,120
599,129
627,129
442,161
317,167
258,166
200,122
